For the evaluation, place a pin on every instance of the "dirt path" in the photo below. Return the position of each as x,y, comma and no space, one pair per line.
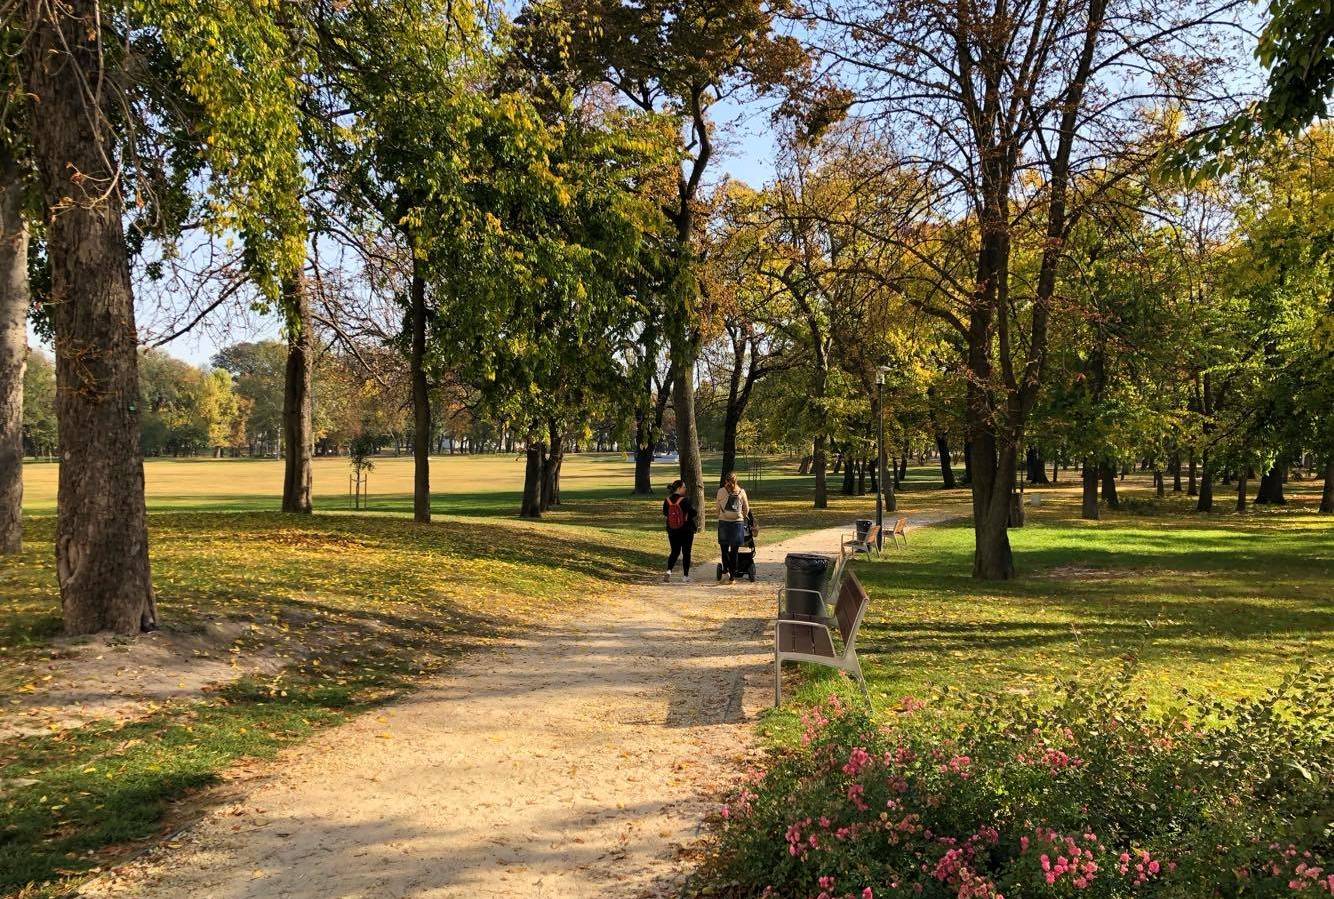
574,763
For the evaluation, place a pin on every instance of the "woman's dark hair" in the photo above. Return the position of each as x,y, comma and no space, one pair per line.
671,488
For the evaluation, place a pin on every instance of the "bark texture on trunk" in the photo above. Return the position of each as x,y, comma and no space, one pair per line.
946,469
101,531
643,470
818,468
531,504
298,432
1271,486
687,434
1205,503
1037,469
13,351
1089,506
1193,486
1327,495
421,402
551,463
1109,496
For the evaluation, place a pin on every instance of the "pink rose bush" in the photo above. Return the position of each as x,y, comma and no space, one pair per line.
1089,795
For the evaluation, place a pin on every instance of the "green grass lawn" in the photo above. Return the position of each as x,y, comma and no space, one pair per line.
1219,604
360,606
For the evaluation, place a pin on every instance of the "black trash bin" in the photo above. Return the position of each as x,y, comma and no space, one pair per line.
863,528
806,571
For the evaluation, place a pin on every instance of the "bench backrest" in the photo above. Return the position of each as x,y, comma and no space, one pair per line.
901,525
872,534
850,609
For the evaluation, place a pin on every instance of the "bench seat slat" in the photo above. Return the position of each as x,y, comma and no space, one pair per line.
812,641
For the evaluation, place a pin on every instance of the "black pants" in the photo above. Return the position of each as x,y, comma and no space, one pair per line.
681,541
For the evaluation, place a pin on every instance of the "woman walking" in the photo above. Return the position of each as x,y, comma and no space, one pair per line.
733,507
680,514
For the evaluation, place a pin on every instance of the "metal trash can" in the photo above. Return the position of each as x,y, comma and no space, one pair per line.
863,528
806,571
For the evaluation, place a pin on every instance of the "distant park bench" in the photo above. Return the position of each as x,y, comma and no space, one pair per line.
797,640
867,544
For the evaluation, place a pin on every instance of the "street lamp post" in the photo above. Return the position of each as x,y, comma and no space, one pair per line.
880,457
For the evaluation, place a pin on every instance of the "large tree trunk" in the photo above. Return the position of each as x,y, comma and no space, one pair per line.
13,350
1108,472
421,402
1176,472
1089,506
993,482
1206,501
1241,488
1327,495
886,484
643,470
687,435
849,474
946,470
551,464
818,467
731,419
1037,469
967,463
531,504
1271,486
1192,486
297,428
101,529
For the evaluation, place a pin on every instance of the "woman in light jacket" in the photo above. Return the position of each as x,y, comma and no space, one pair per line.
733,506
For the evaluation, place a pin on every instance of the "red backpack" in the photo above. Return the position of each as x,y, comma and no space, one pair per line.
676,514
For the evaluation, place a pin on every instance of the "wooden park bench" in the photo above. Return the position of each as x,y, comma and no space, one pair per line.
867,544
813,641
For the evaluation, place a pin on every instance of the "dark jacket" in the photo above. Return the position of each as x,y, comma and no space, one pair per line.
689,508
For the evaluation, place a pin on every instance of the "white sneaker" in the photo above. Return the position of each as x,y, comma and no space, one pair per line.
667,577
686,579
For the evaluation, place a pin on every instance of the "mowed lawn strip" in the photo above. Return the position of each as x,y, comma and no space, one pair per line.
1219,604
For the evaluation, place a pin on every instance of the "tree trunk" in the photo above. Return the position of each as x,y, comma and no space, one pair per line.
297,430
1159,483
1327,495
643,470
101,530
804,467
1108,472
1271,486
992,484
1176,472
1241,488
1089,507
861,477
1206,501
730,422
891,499
687,435
1192,486
818,467
946,470
421,402
1037,469
967,463
551,463
13,351
849,475
1055,470
531,504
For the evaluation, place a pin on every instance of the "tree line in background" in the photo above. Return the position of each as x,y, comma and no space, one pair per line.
1021,234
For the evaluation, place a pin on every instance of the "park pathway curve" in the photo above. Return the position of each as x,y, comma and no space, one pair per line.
576,762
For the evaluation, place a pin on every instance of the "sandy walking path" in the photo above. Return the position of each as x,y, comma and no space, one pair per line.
576,762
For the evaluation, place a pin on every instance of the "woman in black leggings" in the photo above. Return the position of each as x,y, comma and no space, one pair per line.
680,515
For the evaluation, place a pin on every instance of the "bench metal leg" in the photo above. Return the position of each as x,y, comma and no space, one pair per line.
861,681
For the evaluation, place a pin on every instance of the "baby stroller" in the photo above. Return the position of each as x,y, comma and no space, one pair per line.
745,557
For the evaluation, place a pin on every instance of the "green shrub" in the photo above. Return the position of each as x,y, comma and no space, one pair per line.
1092,795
